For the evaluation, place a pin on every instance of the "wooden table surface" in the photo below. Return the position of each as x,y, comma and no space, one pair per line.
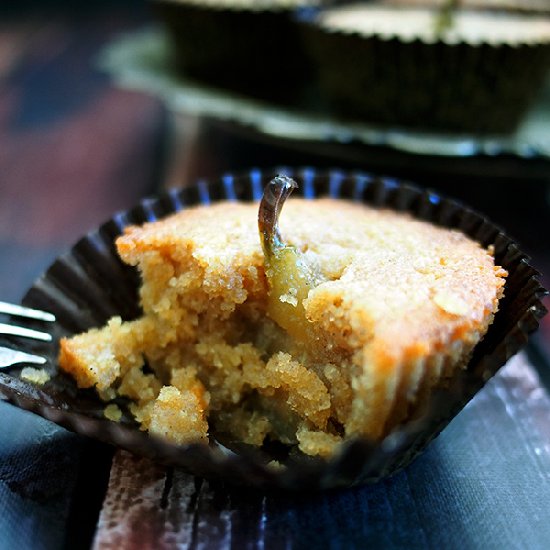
73,150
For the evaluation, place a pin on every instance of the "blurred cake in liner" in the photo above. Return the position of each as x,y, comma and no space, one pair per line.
247,47
457,70
525,6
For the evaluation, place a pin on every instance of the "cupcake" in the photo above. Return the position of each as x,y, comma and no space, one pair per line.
250,47
526,6
340,323
90,284
472,71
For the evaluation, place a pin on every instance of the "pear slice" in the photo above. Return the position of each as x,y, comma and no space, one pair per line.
289,276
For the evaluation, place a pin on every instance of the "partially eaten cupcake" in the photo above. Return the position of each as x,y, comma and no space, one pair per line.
337,325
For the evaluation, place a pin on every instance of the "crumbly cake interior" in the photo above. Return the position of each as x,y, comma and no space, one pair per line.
397,307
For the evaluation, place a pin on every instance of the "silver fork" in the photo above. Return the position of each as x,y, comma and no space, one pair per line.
10,357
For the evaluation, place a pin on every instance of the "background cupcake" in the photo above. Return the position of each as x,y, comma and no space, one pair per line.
474,70
246,46
529,6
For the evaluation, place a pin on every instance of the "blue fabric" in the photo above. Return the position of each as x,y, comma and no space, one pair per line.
38,470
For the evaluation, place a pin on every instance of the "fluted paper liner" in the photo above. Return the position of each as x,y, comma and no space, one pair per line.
89,284
253,49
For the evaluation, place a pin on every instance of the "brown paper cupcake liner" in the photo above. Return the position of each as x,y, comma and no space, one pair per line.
458,87
86,286
253,50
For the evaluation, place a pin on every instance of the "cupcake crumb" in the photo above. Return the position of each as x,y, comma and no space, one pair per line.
36,376
289,298
112,412
451,303
275,466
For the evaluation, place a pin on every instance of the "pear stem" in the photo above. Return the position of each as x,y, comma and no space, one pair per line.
275,194
444,20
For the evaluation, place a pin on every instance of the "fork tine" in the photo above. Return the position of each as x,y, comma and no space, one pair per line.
14,330
20,311
10,357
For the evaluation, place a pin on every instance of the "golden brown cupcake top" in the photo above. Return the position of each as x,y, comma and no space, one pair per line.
410,279
526,6
420,23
